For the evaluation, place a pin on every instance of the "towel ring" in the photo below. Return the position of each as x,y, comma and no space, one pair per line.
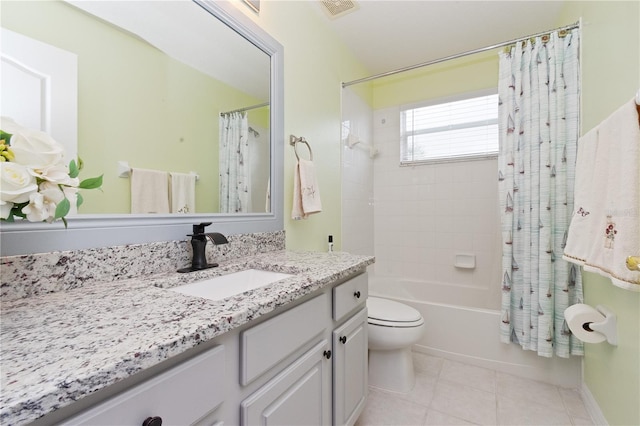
294,141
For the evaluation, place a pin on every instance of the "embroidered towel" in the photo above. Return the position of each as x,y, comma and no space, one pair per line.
183,193
149,191
614,232
306,193
586,201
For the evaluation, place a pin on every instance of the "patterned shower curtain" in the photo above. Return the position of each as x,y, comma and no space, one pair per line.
234,163
539,111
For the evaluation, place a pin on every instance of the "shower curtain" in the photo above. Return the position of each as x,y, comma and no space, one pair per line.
538,126
234,163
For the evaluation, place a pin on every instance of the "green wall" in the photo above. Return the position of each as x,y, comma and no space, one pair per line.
134,104
463,75
316,62
610,77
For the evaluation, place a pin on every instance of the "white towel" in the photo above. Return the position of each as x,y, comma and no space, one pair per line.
149,191
586,201
612,201
306,193
183,193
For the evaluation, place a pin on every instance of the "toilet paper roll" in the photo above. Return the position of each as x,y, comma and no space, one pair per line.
578,317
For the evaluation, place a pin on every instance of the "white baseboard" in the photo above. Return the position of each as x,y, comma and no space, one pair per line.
592,406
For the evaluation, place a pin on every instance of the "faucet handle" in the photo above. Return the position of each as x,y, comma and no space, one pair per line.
199,228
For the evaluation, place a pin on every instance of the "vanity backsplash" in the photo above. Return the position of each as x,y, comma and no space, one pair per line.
31,275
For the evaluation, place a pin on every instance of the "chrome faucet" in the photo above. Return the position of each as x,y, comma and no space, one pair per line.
199,243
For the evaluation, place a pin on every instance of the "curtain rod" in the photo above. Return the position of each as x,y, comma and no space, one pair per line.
246,108
458,55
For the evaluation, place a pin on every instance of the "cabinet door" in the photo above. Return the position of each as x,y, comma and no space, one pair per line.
350,369
299,395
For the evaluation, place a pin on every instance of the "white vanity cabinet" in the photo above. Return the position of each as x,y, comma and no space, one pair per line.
305,364
299,395
350,350
325,385
300,392
179,396
350,369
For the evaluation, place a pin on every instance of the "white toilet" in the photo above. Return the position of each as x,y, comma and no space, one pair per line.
393,328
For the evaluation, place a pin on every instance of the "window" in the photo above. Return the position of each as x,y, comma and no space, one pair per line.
458,130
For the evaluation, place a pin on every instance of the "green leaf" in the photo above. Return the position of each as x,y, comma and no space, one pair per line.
80,163
66,225
62,209
74,171
91,183
5,136
79,199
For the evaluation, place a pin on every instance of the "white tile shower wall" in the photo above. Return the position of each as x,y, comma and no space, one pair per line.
424,215
357,176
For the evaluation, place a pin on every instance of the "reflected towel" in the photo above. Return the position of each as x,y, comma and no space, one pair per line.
611,202
149,191
183,193
306,193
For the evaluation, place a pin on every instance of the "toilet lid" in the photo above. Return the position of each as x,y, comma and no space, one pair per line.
389,311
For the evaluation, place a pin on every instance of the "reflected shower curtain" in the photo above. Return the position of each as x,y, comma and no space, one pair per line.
234,163
538,115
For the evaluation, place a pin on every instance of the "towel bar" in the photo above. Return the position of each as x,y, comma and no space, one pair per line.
124,170
293,141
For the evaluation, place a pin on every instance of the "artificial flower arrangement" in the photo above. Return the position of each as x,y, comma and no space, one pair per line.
35,184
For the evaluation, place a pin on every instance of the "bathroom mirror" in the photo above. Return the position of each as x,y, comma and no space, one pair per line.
191,42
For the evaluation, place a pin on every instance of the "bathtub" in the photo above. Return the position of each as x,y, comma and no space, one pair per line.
459,330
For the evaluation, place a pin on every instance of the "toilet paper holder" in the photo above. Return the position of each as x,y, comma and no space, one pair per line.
608,327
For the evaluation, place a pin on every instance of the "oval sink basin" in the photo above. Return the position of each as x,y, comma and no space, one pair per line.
218,288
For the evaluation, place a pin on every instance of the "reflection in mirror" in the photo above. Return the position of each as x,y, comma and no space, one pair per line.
155,83
133,114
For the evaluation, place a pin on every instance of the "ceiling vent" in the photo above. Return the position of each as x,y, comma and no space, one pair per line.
338,8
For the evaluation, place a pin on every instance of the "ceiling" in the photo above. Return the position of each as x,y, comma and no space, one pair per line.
389,34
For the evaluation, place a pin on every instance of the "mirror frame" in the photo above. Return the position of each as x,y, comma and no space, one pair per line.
94,231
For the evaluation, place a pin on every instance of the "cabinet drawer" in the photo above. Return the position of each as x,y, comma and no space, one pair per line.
350,295
180,396
266,344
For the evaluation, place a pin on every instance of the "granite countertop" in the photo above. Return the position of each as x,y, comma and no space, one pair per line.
58,347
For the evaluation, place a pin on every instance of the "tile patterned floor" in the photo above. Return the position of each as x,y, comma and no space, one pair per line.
452,393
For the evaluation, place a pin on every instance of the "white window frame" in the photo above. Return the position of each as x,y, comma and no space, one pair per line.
444,159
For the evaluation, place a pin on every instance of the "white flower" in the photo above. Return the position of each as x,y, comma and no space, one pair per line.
5,209
8,125
34,181
42,205
39,209
57,174
36,150
16,184
53,193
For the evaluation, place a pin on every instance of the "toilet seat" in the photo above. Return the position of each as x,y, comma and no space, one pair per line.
388,313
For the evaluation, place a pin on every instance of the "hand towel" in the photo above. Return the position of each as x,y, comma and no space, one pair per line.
586,202
183,193
614,198
306,193
149,191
